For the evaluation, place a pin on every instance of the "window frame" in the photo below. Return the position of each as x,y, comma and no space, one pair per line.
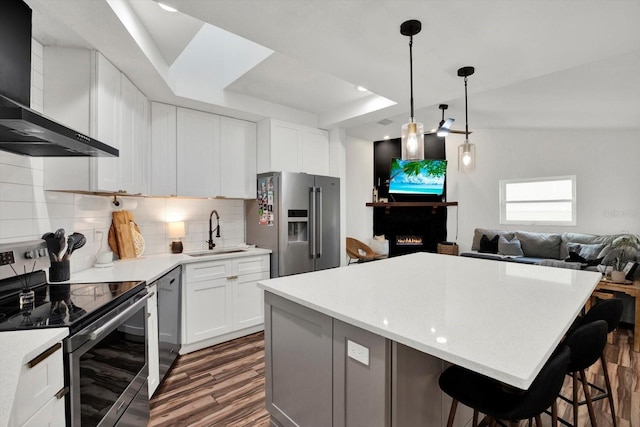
503,202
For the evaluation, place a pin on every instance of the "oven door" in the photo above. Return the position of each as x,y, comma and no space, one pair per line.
107,372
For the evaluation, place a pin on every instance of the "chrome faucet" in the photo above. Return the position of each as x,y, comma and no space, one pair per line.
210,241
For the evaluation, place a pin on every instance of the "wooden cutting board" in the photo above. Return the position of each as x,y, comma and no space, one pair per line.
121,240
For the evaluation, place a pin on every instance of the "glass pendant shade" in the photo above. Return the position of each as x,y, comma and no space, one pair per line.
412,141
466,157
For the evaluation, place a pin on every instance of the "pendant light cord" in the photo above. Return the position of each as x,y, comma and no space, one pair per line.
466,112
411,73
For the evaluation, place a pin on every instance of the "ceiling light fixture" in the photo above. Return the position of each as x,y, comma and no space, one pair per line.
466,151
167,7
361,88
445,124
412,138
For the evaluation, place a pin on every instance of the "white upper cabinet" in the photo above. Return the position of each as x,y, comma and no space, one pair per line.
107,124
83,90
198,153
163,150
290,147
238,158
315,151
279,146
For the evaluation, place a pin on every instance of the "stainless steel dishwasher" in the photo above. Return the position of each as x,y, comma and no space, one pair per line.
169,308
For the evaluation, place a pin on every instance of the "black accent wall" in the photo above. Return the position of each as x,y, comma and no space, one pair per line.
427,223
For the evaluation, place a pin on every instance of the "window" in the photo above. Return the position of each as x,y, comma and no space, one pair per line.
538,201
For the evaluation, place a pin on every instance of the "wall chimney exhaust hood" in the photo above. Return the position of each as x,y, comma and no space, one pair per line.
23,130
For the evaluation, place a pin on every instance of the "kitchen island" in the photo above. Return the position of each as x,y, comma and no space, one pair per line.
364,344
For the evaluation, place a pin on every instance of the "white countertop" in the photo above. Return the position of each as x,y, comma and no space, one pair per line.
501,319
151,267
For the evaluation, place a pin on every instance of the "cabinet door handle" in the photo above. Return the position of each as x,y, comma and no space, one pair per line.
62,393
42,356
172,280
232,277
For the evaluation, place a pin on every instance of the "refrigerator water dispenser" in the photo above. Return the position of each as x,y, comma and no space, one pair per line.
297,225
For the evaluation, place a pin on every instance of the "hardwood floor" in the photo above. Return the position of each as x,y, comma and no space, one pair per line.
224,386
217,386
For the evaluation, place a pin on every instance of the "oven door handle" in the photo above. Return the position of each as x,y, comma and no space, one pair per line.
97,333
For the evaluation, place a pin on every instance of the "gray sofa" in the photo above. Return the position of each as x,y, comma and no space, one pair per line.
552,249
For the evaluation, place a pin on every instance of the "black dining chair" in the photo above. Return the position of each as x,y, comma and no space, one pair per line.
609,310
587,343
500,401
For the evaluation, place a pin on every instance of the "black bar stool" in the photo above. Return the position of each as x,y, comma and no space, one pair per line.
609,310
500,401
587,343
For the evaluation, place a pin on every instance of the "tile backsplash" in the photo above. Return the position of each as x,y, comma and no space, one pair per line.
27,212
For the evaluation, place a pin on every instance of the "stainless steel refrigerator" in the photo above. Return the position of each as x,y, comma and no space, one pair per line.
297,216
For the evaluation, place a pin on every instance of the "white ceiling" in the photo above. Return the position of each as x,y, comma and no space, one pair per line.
539,63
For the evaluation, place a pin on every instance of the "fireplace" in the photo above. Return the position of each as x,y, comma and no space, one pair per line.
408,240
411,229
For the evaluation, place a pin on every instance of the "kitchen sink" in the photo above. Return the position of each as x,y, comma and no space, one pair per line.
215,252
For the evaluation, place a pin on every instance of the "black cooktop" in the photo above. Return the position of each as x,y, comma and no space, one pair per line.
55,305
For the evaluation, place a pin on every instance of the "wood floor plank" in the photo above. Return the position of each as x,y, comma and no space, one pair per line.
223,386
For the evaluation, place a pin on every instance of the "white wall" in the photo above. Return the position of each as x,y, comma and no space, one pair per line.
338,167
358,187
605,164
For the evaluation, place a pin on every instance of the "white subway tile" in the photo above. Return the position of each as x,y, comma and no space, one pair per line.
16,210
16,192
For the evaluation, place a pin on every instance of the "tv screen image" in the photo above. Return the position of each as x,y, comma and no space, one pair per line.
417,177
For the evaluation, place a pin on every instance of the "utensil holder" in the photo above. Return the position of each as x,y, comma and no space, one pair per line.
60,271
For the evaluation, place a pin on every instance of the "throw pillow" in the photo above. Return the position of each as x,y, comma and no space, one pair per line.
540,245
586,251
509,247
489,246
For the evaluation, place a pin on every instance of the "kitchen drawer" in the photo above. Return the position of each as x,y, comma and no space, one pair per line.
208,270
50,415
251,264
39,383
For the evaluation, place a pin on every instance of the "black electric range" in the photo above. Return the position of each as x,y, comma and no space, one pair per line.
54,305
51,305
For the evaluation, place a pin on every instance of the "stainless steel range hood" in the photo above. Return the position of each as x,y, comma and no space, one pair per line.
23,130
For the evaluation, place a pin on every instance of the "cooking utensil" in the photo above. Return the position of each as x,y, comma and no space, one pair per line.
80,241
75,241
62,243
71,240
52,245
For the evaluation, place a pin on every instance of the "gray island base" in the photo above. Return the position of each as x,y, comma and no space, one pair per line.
312,380
364,345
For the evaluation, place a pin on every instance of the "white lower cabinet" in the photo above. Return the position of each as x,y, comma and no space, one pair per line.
222,300
153,380
247,301
207,309
50,415
39,399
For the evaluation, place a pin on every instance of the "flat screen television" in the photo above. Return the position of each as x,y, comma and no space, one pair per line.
425,177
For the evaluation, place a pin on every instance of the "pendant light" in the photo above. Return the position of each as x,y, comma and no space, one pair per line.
445,125
412,141
466,151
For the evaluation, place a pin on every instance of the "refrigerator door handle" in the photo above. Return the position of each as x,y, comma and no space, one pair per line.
318,222
312,222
